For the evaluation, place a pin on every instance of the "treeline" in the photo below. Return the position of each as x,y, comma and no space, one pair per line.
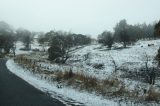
60,42
69,39
9,36
127,34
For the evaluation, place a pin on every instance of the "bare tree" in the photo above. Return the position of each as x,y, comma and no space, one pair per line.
42,40
157,29
146,60
60,48
158,57
114,63
150,72
26,37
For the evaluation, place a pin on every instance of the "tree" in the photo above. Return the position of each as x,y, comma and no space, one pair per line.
157,29
121,32
114,63
79,39
133,32
27,41
6,42
6,37
106,38
124,37
59,49
48,36
42,40
61,42
5,27
26,37
157,58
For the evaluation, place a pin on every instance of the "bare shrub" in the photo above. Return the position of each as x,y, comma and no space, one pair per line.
153,95
67,75
122,91
98,66
59,76
112,82
90,83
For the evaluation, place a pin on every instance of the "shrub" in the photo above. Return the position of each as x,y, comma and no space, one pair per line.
113,82
59,76
121,91
67,75
158,57
153,96
98,66
35,50
106,38
59,50
24,49
61,43
90,83
2,55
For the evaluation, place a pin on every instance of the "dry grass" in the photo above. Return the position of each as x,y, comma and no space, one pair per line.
112,82
153,96
121,92
107,87
89,83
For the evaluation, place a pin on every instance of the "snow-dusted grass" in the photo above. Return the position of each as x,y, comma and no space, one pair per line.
20,45
131,58
64,94
34,45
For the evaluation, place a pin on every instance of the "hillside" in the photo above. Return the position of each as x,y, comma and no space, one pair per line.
97,64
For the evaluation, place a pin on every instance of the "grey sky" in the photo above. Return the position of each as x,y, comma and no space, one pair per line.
78,16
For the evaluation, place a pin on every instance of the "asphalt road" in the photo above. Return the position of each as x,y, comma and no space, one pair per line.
14,91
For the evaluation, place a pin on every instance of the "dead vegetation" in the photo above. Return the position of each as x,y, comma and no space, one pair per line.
153,95
112,87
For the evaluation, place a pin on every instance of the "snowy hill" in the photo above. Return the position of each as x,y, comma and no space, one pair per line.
132,57
97,62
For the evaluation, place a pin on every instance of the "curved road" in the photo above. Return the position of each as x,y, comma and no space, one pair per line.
17,92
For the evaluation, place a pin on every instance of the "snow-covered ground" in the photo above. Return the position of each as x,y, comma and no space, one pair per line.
66,95
34,45
131,58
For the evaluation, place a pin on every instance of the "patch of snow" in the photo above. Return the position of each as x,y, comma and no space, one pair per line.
20,45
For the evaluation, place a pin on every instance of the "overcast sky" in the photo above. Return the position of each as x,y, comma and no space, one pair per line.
78,16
